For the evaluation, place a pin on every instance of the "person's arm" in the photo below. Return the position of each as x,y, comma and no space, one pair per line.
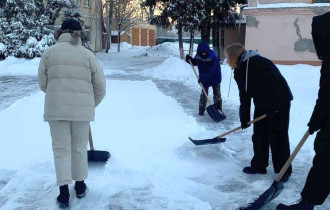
244,109
98,81
42,73
321,109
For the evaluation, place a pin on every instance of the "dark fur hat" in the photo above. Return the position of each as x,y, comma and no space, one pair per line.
71,24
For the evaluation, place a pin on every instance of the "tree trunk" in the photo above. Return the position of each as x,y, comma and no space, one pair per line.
215,32
180,38
119,31
222,44
206,27
191,46
107,47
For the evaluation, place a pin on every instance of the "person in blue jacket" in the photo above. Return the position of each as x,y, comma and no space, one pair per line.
209,74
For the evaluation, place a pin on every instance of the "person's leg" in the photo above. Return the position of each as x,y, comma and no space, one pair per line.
317,186
279,138
80,135
260,139
217,96
203,101
61,143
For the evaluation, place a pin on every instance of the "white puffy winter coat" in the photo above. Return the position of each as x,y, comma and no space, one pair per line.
73,81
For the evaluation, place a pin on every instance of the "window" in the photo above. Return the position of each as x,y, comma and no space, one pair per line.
321,1
88,32
87,3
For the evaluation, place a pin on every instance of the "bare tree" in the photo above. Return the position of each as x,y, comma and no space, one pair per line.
108,16
125,15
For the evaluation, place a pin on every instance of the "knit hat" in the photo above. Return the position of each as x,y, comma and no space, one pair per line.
71,24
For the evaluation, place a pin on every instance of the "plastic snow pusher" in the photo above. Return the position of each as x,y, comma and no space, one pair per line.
96,155
277,187
213,111
220,139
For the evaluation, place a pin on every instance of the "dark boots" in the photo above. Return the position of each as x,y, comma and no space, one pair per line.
63,198
218,104
302,205
250,170
201,111
80,188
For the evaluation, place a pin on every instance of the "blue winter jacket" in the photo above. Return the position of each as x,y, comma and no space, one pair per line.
208,66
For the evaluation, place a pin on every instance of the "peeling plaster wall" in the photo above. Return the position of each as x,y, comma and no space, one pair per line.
282,34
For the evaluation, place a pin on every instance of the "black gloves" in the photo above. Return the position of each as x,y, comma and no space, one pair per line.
244,115
245,125
315,123
188,57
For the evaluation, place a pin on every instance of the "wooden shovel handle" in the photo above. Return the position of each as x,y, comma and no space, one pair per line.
91,146
249,123
293,155
200,82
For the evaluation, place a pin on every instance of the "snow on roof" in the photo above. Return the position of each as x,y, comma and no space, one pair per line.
286,5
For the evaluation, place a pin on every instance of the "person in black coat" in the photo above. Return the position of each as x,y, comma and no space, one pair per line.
317,186
259,79
209,74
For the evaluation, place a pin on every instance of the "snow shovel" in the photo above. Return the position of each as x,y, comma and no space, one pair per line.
95,155
219,139
277,187
213,111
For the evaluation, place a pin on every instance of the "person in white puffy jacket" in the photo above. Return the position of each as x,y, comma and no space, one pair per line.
74,84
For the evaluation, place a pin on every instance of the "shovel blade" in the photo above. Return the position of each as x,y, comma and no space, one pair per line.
275,189
215,113
98,156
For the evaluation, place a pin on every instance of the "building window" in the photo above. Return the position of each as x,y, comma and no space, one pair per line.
321,1
88,32
87,3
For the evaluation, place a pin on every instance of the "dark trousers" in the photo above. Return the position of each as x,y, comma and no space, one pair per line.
271,131
216,97
317,186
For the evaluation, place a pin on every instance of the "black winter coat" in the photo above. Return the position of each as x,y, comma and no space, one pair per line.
321,38
321,35
261,81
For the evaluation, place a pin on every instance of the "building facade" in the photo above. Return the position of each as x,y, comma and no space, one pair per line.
282,31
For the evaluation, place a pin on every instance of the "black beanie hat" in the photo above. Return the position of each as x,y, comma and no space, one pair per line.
71,24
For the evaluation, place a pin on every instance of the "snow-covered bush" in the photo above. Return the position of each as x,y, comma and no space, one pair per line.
24,26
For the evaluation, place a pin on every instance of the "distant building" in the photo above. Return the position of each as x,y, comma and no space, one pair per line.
142,34
282,31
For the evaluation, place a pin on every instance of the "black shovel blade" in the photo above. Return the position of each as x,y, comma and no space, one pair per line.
208,141
275,189
215,113
98,156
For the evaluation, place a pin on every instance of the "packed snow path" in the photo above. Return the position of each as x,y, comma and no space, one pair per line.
153,164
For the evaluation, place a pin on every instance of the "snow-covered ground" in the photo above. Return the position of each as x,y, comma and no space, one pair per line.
144,122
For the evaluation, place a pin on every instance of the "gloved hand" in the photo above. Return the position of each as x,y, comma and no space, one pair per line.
271,113
311,131
188,57
245,125
244,116
315,123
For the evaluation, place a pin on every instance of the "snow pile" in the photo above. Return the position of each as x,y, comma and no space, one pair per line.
19,66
